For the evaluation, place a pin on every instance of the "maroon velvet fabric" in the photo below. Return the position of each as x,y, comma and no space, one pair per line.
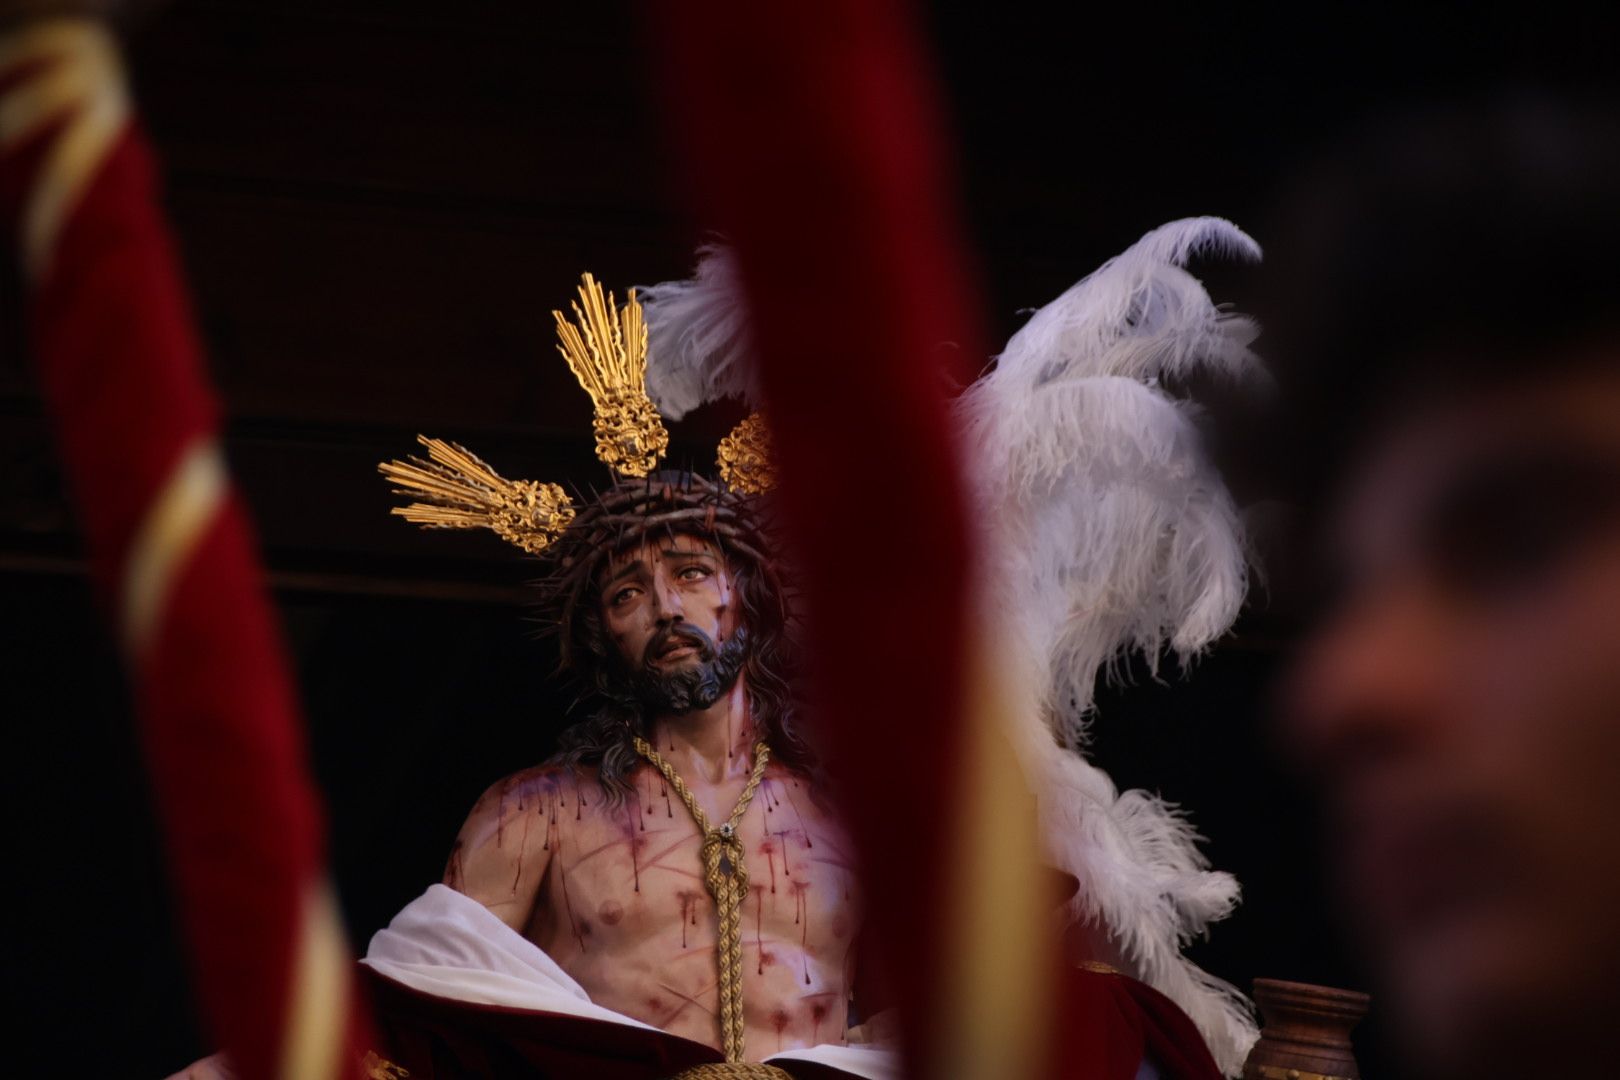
112,337
812,135
1108,1022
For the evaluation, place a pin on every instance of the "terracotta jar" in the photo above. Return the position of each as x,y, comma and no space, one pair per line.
1306,1032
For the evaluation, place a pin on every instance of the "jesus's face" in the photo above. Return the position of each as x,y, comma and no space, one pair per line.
668,606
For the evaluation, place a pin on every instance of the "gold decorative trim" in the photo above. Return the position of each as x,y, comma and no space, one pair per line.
176,521
745,457
378,1067
606,348
318,1002
84,81
1277,1072
462,492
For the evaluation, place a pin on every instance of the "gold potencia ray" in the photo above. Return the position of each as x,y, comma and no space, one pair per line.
606,348
461,492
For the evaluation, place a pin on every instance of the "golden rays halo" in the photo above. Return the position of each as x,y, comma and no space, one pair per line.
605,346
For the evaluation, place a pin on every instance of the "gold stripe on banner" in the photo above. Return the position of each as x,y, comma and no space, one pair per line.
999,934
317,1013
176,520
85,79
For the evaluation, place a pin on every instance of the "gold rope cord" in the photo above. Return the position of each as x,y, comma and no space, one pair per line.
726,876
734,1070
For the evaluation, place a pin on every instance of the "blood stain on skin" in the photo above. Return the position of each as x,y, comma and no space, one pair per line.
454,872
818,1013
768,849
782,845
808,843
689,906
523,846
630,839
801,907
779,1020
759,934
568,905
610,912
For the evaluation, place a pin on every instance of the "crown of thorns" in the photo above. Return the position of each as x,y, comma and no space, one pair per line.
633,512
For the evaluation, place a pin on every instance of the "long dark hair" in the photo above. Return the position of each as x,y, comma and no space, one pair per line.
769,675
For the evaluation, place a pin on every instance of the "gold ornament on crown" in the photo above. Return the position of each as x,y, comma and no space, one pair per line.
464,493
745,457
606,349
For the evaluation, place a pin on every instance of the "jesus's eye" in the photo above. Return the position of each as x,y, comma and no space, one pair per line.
624,595
693,573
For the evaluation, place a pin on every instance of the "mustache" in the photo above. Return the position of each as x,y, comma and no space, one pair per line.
679,632
686,688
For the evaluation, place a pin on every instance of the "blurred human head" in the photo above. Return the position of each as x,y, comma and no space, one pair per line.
1457,315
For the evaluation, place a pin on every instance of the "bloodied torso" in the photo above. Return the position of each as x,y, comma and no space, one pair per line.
615,894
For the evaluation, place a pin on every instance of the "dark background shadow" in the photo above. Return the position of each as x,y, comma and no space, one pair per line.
379,203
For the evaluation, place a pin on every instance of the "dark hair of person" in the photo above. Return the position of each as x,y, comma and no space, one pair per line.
1435,256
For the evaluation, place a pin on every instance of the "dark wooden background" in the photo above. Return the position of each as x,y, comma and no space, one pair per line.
380,202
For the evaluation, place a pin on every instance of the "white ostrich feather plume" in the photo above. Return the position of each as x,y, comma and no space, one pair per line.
1111,533
699,342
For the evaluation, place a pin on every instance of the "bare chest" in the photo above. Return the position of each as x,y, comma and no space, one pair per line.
630,876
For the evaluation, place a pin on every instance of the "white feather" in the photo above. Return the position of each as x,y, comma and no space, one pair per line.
699,343
1111,532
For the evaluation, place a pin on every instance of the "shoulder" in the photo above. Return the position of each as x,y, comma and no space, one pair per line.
809,791
538,784
800,779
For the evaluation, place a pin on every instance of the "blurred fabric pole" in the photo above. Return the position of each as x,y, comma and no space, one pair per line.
172,555
813,137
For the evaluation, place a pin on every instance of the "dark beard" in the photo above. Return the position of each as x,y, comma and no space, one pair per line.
690,689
